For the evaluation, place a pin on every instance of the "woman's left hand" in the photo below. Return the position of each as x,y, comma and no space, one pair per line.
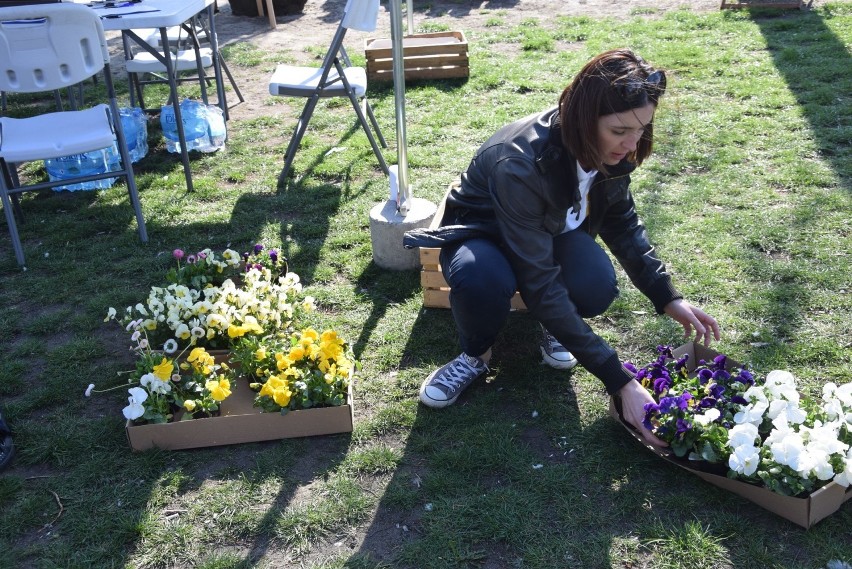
693,318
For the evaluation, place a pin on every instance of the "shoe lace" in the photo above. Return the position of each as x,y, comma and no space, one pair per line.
457,373
552,341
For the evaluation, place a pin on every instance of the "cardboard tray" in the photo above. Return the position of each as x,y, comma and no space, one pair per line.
241,422
805,512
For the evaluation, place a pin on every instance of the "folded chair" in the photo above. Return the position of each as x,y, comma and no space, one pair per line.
185,42
50,47
336,78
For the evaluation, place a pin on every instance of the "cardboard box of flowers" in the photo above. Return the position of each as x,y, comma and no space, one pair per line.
755,436
225,355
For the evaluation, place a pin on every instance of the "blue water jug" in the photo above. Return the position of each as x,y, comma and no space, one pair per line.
194,118
215,129
95,162
134,122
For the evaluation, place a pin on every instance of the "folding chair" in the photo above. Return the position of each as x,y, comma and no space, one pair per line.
185,41
45,48
336,78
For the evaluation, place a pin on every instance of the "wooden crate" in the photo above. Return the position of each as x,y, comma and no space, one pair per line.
438,55
436,291
780,4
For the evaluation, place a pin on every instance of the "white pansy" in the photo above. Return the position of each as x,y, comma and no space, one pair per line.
788,450
783,413
751,414
844,477
781,384
110,314
744,460
707,417
820,465
755,393
743,434
134,409
155,384
825,437
140,308
844,393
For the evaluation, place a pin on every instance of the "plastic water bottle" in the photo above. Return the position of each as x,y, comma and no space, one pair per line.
135,125
194,118
215,129
66,167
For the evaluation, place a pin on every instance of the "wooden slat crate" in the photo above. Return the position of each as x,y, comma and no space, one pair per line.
436,291
437,55
779,4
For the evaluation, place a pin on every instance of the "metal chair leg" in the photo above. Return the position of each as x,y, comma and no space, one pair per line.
375,123
5,186
301,127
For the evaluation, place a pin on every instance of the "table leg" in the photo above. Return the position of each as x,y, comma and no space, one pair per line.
217,65
172,75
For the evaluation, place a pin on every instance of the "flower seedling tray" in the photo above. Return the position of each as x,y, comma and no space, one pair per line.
436,55
804,512
241,422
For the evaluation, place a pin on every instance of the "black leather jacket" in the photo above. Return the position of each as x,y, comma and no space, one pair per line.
517,190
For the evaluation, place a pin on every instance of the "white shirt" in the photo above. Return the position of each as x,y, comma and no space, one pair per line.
572,220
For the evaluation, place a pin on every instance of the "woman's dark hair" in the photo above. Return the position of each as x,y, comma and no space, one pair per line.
613,82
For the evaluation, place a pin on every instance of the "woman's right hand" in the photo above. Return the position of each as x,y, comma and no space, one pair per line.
633,399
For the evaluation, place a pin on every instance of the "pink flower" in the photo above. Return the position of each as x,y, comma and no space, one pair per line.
178,254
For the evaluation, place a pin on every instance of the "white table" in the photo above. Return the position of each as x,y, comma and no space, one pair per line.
163,14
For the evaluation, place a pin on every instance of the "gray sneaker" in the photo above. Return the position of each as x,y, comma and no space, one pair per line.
553,353
445,384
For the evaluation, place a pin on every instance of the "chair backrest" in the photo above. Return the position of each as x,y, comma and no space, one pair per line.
45,47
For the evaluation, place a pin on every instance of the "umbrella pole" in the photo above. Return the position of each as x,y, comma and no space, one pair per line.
403,200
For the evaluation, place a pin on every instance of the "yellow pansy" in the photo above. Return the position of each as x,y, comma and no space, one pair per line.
189,405
282,361
235,331
297,353
282,397
201,360
164,369
219,389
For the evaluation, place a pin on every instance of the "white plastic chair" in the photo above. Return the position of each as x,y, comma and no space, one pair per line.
336,78
50,47
185,43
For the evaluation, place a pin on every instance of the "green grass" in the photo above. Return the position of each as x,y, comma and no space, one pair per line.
747,197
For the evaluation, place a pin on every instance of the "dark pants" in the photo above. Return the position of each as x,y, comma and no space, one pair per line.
482,284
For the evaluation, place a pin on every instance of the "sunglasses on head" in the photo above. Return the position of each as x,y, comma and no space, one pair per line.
653,85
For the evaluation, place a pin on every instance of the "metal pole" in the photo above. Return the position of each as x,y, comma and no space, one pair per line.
410,13
403,202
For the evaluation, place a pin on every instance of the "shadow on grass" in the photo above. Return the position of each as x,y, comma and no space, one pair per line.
801,46
509,474
814,63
